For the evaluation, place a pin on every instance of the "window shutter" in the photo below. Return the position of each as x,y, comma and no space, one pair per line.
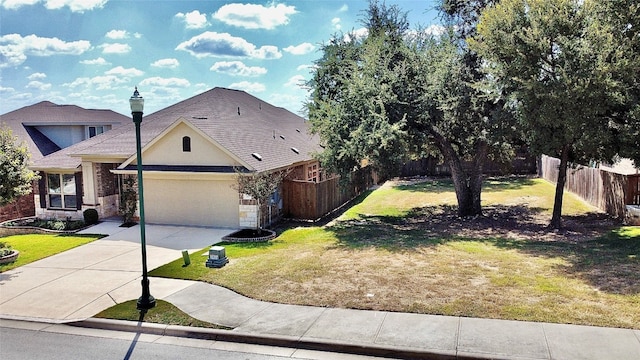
78,179
42,189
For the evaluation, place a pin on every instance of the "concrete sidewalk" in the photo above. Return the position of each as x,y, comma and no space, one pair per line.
83,281
73,286
404,335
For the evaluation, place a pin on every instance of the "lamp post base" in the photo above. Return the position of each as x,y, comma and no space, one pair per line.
146,303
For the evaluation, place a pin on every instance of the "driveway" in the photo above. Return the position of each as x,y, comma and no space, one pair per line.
85,280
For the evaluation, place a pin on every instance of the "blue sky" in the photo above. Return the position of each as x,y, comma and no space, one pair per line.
92,53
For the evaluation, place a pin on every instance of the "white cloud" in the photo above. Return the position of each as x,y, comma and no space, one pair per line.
301,49
200,87
15,48
288,101
250,87
38,85
267,52
357,34
194,19
166,63
121,71
115,48
305,67
296,81
6,90
16,4
75,5
252,16
344,8
35,76
98,61
225,45
237,68
117,34
335,22
165,82
106,82
435,30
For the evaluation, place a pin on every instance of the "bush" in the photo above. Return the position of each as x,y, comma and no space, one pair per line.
5,249
90,216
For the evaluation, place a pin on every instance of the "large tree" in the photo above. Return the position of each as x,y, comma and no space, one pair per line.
565,66
15,176
395,94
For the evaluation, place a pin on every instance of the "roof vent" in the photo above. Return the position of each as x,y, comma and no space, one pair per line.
282,137
257,156
238,110
295,150
298,130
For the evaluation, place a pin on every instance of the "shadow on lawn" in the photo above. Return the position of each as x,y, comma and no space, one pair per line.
589,244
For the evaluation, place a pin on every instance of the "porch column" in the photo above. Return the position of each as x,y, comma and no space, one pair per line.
89,190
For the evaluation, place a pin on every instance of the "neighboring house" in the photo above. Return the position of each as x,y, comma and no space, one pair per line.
46,127
191,154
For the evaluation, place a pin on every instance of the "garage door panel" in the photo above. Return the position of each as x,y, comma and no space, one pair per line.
191,202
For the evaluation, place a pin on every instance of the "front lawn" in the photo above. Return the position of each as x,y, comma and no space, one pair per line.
402,248
34,247
162,313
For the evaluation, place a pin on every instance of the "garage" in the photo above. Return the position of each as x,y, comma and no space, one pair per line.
188,201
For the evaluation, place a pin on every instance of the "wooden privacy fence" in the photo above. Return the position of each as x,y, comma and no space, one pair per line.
306,200
607,191
521,164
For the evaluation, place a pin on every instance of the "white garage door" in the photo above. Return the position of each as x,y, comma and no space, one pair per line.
191,202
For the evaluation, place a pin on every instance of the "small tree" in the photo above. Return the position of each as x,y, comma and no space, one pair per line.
259,186
128,199
15,176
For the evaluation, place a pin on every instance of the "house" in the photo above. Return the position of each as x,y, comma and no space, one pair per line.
192,152
46,127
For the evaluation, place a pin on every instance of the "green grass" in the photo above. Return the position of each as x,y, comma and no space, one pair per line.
162,313
403,249
34,247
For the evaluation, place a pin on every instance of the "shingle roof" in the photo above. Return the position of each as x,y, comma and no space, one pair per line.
241,123
23,121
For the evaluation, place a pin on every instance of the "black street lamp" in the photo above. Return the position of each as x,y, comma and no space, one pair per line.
146,301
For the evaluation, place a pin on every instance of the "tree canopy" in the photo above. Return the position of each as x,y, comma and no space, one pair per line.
570,68
15,176
397,94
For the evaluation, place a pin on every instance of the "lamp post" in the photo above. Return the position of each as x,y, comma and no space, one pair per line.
146,301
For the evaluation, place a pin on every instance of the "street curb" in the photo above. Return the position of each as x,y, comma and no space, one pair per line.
272,340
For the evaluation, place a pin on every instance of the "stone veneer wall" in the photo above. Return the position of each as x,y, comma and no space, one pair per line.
248,216
107,181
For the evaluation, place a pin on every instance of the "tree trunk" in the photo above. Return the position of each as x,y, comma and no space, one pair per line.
467,183
556,218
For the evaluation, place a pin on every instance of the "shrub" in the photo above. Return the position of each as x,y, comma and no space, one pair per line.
90,216
5,249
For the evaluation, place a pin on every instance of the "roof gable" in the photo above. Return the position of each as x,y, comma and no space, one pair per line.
167,149
22,120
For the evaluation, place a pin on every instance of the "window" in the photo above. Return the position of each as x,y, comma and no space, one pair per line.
62,191
95,130
186,144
